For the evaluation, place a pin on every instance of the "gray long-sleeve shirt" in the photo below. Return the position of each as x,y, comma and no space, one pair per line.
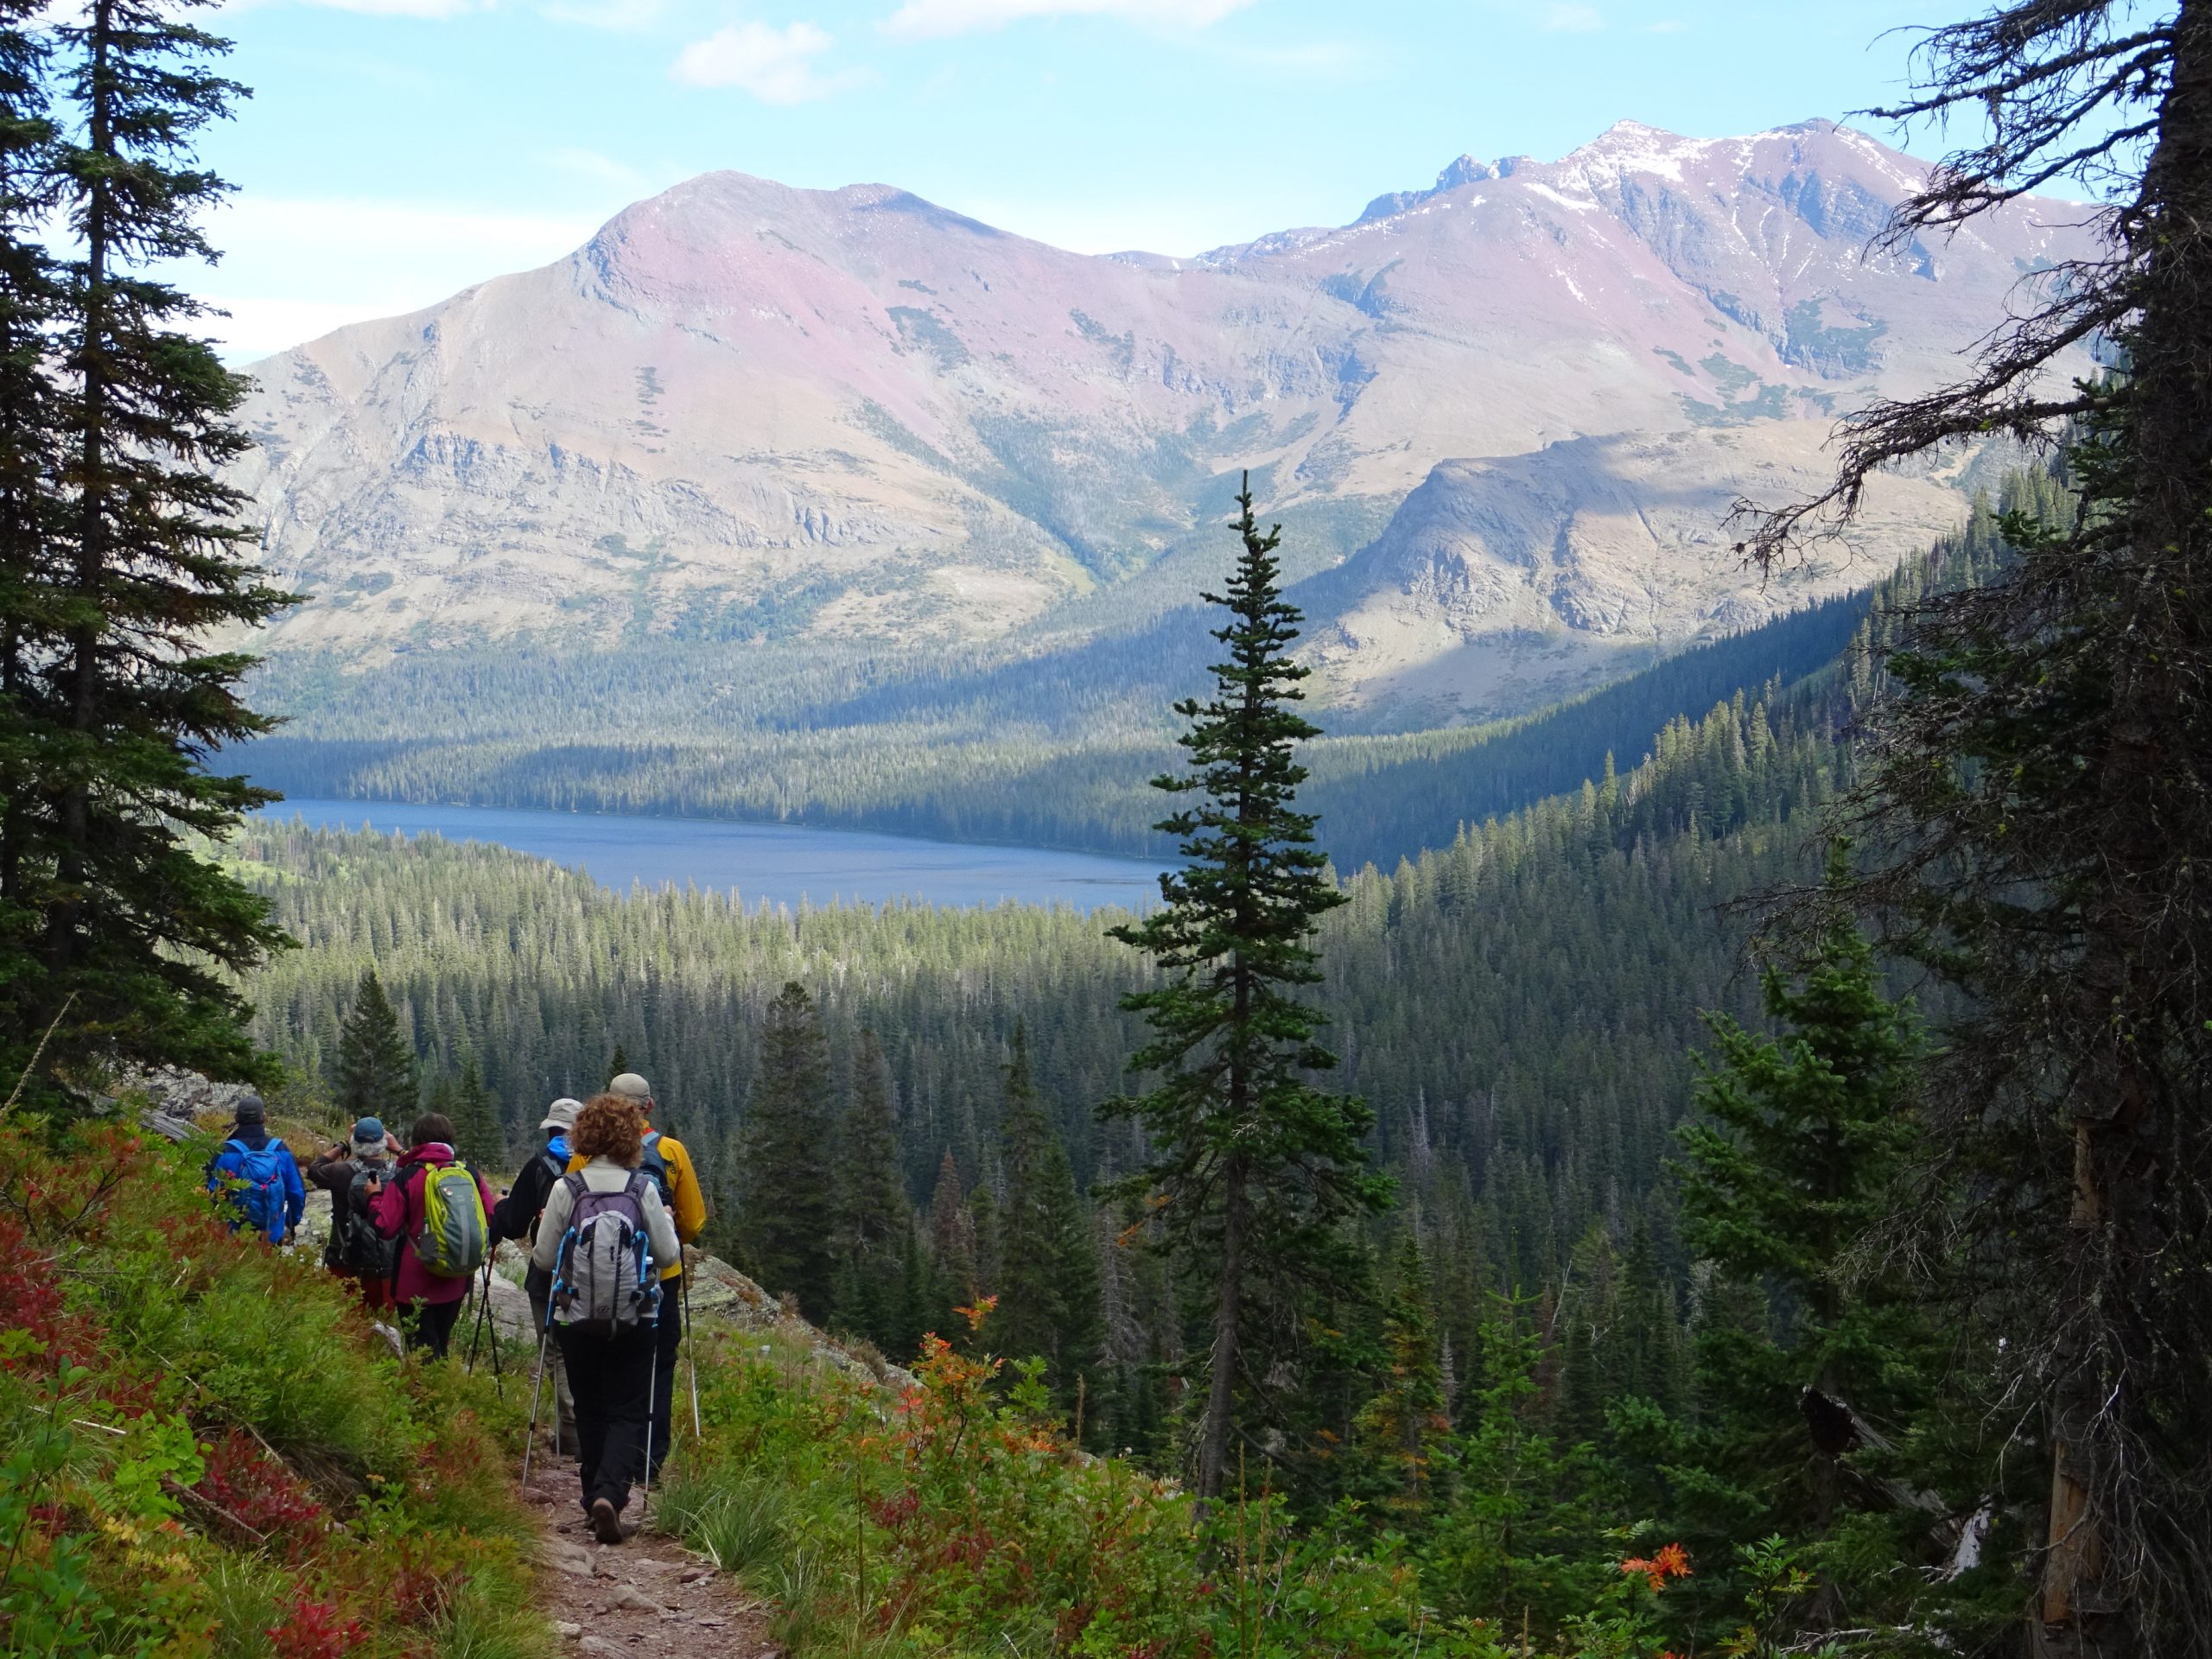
604,1175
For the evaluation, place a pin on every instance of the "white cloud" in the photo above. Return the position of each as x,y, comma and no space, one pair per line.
936,18
1573,20
775,65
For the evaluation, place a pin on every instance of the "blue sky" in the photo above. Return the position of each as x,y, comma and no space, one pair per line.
396,150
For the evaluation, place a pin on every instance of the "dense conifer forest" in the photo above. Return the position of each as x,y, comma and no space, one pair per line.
1518,1007
1747,1201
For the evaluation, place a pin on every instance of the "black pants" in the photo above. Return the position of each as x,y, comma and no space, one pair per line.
611,1378
429,1324
670,1335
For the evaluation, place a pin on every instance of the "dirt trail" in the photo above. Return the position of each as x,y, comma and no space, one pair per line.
647,1595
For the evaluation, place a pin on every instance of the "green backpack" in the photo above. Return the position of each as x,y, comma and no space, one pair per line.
454,1237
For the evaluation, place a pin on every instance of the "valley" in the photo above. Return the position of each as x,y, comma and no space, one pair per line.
804,485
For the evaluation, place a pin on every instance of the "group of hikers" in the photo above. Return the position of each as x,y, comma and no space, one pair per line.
605,1210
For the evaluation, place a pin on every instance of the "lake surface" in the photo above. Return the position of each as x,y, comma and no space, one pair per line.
781,862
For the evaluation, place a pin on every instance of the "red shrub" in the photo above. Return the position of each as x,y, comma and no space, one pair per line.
255,1490
314,1630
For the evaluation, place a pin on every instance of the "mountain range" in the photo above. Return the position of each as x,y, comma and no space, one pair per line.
1502,418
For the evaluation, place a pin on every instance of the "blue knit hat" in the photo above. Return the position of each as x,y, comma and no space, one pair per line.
369,1131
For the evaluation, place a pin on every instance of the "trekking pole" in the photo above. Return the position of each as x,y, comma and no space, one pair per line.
537,1392
690,1353
483,1296
498,1371
653,1388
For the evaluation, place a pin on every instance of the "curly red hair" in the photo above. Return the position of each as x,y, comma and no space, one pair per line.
610,1126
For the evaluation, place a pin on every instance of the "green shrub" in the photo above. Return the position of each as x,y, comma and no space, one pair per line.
204,1450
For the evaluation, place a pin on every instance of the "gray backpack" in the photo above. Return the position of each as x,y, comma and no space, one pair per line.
600,1281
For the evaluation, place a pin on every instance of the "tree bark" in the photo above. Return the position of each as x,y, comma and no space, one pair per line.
84,699
2140,980
1229,1307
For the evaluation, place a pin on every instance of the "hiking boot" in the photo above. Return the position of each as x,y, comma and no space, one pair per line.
606,1524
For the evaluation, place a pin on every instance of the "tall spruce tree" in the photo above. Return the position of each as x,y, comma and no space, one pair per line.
1256,1168
947,1278
1796,1157
117,699
476,1119
1401,1427
375,1075
875,1225
1048,1282
138,937
30,423
788,1216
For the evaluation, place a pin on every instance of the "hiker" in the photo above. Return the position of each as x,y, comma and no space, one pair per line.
356,1250
255,1177
516,1217
439,1211
666,1161
605,1296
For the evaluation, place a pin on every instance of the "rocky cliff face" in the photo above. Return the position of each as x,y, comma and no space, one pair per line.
740,402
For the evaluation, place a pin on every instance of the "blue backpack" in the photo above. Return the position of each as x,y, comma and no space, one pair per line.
259,1196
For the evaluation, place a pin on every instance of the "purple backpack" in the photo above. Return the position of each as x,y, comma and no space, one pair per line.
600,1281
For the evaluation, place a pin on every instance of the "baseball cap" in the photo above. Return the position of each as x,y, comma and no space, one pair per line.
631,1084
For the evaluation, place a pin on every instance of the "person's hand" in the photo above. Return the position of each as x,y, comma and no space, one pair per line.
374,1184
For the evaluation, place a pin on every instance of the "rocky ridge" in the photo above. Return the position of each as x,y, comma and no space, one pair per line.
856,414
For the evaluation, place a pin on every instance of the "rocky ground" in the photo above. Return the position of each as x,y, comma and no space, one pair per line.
648,1594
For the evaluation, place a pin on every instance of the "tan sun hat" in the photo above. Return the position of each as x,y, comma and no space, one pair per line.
631,1086
562,1113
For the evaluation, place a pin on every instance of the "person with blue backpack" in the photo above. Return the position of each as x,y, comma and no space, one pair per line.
606,1238
254,1176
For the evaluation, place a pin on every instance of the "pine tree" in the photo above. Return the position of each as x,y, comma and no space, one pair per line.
874,1223
1591,1357
789,1210
1517,1542
31,298
1653,1364
375,1074
2044,790
1794,1160
1402,1426
1029,1301
138,937
476,1120
1257,1167
618,1064
1049,1286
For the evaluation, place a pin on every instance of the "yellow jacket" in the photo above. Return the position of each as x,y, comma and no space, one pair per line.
685,1198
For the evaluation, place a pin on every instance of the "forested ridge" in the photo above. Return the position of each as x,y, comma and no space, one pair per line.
1518,1007
981,762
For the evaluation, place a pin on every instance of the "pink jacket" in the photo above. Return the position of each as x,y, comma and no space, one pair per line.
397,1211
